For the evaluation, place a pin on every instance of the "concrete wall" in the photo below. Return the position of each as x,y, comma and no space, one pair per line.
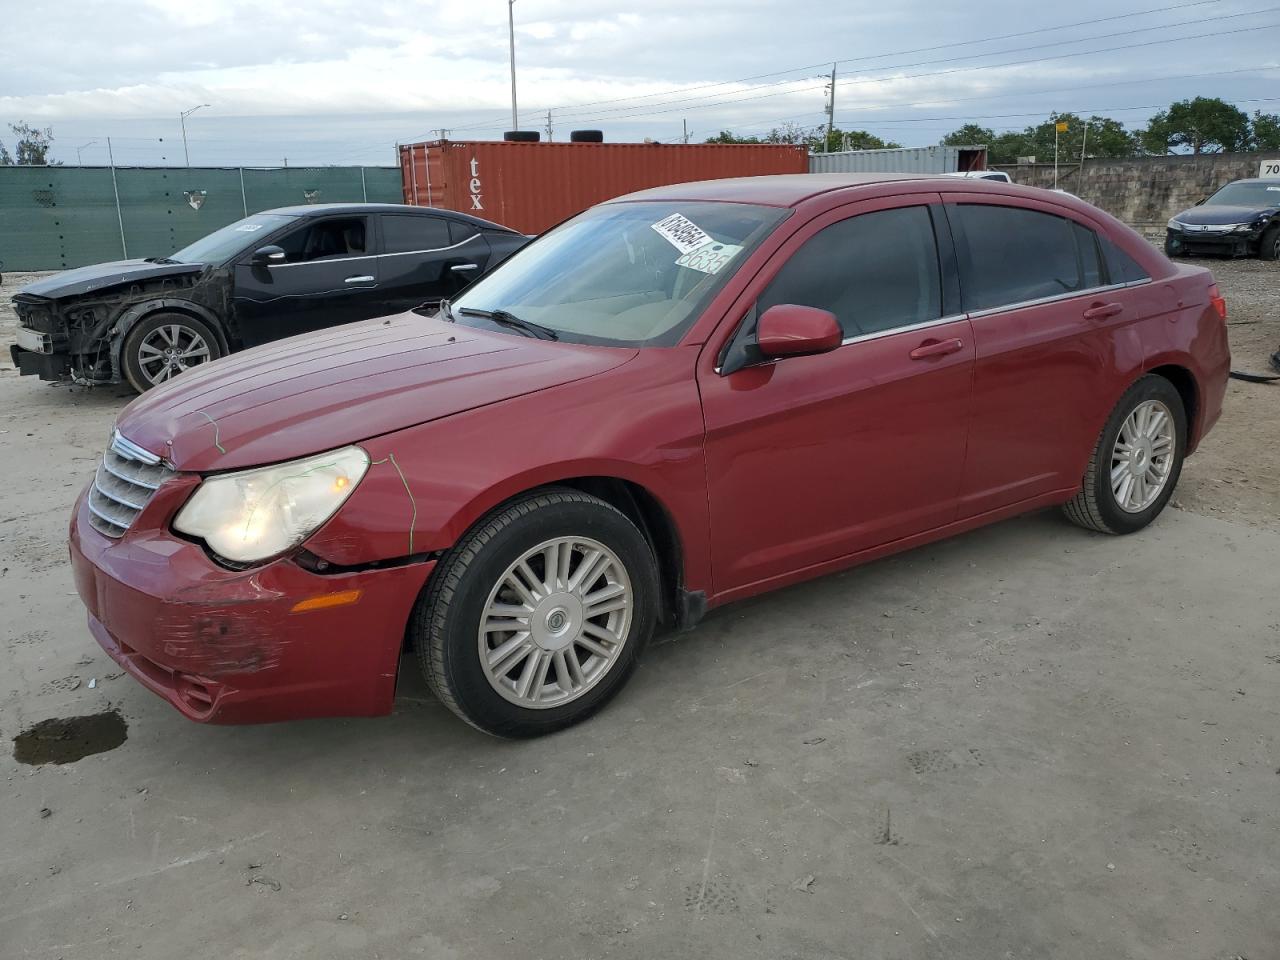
1144,191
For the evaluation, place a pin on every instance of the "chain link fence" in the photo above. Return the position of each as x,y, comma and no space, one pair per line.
54,218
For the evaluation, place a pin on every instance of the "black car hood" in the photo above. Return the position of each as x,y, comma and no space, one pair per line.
102,276
1211,214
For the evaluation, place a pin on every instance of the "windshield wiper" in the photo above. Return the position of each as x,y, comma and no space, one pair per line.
511,320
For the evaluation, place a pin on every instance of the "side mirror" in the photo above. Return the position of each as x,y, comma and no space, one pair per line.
788,329
268,256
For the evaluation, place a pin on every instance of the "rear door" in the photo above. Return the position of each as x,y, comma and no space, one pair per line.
813,458
329,276
426,259
1053,333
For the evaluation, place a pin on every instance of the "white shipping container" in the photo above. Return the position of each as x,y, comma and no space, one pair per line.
937,159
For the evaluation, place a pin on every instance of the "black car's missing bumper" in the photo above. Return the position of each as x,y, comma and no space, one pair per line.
1231,241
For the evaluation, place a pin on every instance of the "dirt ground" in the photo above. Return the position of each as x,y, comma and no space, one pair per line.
1023,743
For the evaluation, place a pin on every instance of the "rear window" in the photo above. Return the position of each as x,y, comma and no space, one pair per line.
1121,267
1011,255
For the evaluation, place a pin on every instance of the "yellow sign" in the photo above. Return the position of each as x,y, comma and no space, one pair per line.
1062,126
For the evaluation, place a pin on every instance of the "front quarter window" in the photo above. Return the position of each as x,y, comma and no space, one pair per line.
625,273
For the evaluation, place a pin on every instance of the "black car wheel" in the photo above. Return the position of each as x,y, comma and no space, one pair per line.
163,345
1269,248
1173,247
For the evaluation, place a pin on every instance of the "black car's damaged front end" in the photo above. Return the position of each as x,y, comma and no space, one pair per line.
71,329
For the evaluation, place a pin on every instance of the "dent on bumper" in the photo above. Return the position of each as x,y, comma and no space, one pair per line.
224,646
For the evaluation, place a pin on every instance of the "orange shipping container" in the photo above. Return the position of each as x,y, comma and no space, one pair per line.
532,186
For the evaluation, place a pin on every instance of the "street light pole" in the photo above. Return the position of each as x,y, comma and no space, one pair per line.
79,162
511,34
182,117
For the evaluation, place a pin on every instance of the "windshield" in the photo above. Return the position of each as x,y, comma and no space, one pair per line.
222,245
623,273
1247,195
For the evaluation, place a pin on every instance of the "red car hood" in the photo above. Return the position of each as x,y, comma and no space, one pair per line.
319,391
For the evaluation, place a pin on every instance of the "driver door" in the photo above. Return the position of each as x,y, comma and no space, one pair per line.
811,459
329,276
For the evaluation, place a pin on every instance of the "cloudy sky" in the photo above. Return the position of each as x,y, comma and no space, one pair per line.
342,81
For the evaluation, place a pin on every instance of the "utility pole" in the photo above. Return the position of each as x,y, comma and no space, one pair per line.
182,117
685,124
831,109
511,34
550,129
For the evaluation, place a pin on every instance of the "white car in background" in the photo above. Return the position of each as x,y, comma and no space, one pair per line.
982,175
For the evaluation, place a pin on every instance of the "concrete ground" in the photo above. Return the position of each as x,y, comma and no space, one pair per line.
1026,742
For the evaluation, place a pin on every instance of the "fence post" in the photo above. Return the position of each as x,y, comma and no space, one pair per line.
364,187
243,202
116,190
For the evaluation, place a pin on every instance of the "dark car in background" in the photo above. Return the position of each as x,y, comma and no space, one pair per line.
1240,220
268,276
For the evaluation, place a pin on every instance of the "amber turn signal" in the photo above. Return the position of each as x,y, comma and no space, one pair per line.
326,600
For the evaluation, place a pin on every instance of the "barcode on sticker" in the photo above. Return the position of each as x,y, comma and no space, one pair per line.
681,232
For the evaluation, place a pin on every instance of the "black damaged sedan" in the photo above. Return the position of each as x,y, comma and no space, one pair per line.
267,276
1240,220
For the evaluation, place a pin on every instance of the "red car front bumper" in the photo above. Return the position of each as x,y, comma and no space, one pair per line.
227,647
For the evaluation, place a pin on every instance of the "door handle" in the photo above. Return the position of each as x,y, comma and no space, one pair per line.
464,267
937,348
1100,311
358,280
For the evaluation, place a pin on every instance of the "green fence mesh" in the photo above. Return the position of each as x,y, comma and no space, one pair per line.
52,218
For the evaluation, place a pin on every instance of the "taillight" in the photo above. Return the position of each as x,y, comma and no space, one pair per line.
1219,304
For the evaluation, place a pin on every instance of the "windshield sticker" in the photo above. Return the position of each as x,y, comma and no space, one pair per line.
682,233
1273,189
248,227
710,257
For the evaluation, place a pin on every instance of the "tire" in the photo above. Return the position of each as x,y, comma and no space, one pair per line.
522,136
586,136
142,353
1269,245
1098,505
1173,248
446,626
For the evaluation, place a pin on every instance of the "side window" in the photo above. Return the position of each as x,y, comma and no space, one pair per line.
407,233
1121,267
459,231
325,240
1014,255
1090,260
877,271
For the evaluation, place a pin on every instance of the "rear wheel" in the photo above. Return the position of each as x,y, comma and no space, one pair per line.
1269,247
536,618
163,345
1136,463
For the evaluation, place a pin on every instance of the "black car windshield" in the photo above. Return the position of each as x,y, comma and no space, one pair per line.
1247,195
623,273
221,245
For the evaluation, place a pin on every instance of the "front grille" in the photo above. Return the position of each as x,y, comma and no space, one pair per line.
125,482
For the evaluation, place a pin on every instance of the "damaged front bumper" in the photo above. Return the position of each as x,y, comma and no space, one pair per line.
226,646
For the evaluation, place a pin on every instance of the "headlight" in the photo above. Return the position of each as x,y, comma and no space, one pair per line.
259,513
1174,225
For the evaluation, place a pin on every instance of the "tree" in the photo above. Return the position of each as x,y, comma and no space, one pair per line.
1266,131
969,135
815,138
1205,124
32,147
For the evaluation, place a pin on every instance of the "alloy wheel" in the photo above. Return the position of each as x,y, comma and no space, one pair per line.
555,622
1142,457
169,350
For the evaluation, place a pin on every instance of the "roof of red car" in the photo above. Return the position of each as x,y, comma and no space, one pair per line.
784,190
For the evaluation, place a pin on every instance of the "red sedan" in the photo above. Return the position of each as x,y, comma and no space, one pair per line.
678,399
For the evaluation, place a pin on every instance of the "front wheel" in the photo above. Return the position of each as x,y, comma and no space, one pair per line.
163,345
1269,246
535,619
1173,248
1136,463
